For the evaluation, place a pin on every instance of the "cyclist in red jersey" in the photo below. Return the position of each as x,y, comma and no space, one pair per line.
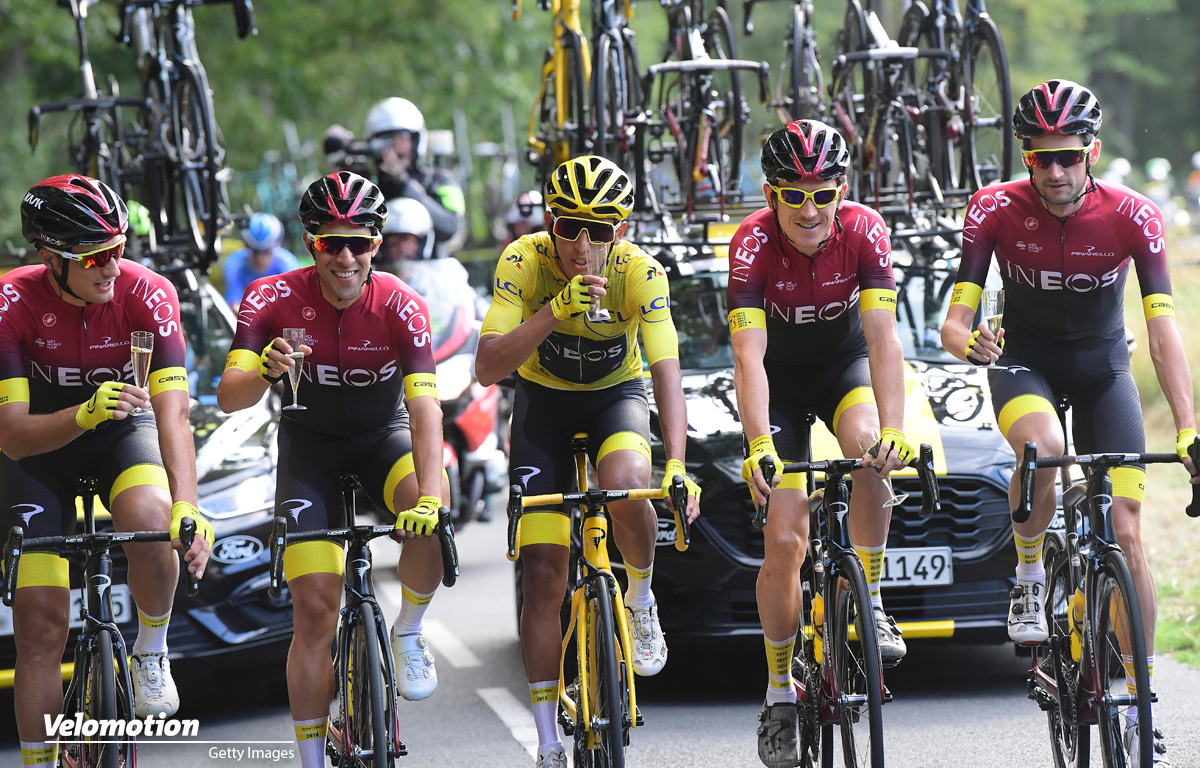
367,369
812,303
66,411
1063,242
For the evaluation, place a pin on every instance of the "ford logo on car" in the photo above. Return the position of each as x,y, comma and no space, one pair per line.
237,549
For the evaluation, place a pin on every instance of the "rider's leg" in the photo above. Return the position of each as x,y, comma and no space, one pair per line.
40,622
545,537
314,576
785,539
153,568
869,518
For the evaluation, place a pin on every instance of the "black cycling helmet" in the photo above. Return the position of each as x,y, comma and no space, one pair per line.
592,186
805,149
1057,107
70,210
343,196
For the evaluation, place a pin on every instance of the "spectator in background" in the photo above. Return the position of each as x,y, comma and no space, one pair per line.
1119,171
525,216
262,256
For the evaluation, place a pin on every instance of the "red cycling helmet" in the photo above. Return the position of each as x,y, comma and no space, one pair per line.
70,210
805,149
346,197
1057,107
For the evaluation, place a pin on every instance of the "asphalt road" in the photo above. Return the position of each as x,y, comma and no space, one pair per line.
954,705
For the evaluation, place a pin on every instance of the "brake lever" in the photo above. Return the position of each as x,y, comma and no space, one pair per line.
514,516
187,534
1193,452
1028,470
931,501
683,529
278,545
767,465
449,549
12,558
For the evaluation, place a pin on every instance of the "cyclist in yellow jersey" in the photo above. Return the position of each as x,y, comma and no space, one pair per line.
579,372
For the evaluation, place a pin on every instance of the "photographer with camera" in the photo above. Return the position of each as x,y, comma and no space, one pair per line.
395,143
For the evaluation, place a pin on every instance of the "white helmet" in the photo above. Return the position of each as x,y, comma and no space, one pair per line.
263,233
527,208
396,114
1196,160
1119,167
407,216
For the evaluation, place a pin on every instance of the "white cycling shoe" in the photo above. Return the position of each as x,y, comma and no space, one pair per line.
416,676
1027,613
154,691
649,644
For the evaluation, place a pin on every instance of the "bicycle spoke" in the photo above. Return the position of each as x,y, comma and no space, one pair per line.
858,673
1119,655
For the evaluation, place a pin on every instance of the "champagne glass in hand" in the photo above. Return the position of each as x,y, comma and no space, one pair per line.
141,346
869,443
993,314
294,338
597,258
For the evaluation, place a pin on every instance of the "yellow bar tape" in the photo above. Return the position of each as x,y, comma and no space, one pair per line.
243,360
747,317
14,390
966,294
167,379
877,298
1157,305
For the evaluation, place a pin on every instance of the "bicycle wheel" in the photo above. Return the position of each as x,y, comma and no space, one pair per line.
96,698
988,112
610,102
1116,620
807,81
719,149
200,157
852,92
856,665
1069,739
607,687
364,710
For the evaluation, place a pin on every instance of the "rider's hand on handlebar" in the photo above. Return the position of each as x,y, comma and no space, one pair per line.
894,452
984,347
196,557
421,520
1182,441
675,467
761,447
113,400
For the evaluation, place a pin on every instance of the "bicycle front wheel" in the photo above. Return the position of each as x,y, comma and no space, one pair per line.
607,686
364,709
201,157
718,143
857,668
807,83
1069,739
95,695
610,101
1119,653
987,108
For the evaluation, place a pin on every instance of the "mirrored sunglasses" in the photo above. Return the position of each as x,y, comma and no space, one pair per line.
356,244
598,231
97,258
1043,158
797,197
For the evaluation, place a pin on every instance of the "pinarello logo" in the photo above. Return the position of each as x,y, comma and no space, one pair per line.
1031,223
49,319
309,313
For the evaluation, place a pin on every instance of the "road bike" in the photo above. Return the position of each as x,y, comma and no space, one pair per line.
101,687
838,672
365,733
800,71
1082,675
600,706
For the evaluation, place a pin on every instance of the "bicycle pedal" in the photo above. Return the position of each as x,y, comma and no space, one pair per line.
887,695
401,749
566,723
638,721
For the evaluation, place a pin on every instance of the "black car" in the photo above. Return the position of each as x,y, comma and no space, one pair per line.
232,616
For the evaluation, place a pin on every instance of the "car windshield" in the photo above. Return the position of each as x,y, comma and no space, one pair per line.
701,316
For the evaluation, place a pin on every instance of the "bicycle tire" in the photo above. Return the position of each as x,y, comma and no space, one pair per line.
988,128
857,666
609,701
100,700
200,160
724,139
610,102
807,80
364,710
1070,741
850,91
1114,580
157,191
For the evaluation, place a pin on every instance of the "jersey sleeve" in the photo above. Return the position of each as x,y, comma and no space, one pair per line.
255,329
978,243
648,298
413,340
168,366
876,281
1147,248
744,292
516,274
14,384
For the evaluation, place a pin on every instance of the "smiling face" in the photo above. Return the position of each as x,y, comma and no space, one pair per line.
92,286
343,274
808,226
1058,186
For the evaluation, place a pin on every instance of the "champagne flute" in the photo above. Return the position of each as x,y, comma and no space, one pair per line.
869,443
294,338
597,258
993,313
141,347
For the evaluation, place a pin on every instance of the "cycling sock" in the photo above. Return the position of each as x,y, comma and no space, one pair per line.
1131,714
152,633
1029,558
780,689
310,738
412,611
872,562
639,585
39,753
544,697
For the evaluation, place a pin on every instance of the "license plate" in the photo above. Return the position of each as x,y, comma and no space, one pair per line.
122,603
917,566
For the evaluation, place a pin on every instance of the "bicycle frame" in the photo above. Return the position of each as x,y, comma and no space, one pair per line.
566,32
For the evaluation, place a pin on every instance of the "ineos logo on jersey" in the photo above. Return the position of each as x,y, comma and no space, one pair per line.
811,313
258,299
1148,218
8,297
747,249
982,205
876,233
27,516
162,309
73,377
408,310
301,505
329,375
1049,280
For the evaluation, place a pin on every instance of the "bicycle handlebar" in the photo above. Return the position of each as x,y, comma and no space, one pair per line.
930,498
243,14
77,105
899,53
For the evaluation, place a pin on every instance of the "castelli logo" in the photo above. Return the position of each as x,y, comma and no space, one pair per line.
309,313
49,319
1031,223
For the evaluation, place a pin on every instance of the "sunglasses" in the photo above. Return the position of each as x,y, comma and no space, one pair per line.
796,198
1043,158
598,231
356,244
94,259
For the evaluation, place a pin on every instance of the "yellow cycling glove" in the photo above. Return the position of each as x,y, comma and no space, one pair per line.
894,439
101,407
760,447
675,467
421,519
971,345
182,509
264,366
573,300
1185,438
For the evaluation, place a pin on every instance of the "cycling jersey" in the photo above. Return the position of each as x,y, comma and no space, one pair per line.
364,358
581,354
806,304
54,354
1064,279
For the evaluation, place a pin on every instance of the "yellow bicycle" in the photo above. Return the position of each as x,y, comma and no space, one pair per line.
600,707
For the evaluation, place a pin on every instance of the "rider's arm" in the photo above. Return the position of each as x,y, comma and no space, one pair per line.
749,374
425,413
505,342
650,300
877,308
242,383
968,287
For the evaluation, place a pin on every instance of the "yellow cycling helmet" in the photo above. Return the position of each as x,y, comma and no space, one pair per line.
592,186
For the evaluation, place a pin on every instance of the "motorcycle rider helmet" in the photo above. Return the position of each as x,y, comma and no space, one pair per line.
396,114
264,233
526,214
407,216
